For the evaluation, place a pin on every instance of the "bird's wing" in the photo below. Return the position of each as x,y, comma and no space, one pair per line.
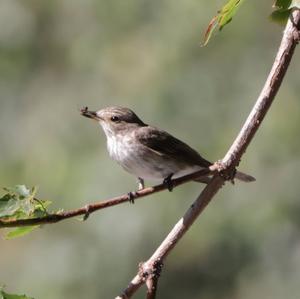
165,144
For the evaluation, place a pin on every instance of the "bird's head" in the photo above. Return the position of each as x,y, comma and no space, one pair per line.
114,119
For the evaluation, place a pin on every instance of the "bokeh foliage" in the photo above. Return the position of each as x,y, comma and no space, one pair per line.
57,56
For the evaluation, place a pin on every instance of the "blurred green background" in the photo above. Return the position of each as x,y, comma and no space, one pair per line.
57,56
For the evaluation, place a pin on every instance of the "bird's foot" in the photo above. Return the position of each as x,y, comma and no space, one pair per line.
131,196
226,174
168,182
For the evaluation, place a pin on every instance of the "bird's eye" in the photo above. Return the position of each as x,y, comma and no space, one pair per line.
115,118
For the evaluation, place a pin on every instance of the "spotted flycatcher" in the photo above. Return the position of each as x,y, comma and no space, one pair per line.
148,152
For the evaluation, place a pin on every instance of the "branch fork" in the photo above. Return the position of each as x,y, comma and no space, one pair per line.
225,169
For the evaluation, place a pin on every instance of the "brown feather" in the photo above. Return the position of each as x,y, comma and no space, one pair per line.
164,143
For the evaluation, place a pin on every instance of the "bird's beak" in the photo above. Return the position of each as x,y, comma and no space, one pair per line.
90,114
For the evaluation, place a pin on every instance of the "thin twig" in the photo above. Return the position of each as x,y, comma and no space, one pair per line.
151,284
234,154
90,208
269,91
176,233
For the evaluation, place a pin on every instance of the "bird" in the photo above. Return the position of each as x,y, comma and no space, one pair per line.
147,152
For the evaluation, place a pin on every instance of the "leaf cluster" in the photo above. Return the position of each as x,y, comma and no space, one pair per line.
224,16
282,10
4,295
227,12
19,202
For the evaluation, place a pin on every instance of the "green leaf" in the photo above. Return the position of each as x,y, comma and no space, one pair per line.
282,12
223,17
18,190
280,16
41,208
9,207
20,231
5,197
22,190
20,202
4,295
282,4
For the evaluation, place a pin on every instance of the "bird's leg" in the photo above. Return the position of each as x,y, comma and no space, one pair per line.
132,194
168,182
141,183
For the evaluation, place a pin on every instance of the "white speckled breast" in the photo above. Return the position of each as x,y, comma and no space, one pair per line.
141,161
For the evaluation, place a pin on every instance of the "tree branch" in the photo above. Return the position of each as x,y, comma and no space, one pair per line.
152,278
231,160
90,208
151,284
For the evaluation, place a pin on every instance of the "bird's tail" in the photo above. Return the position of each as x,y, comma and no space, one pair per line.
239,175
244,177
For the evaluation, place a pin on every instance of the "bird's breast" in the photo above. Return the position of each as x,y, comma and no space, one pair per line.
120,147
141,161
133,157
